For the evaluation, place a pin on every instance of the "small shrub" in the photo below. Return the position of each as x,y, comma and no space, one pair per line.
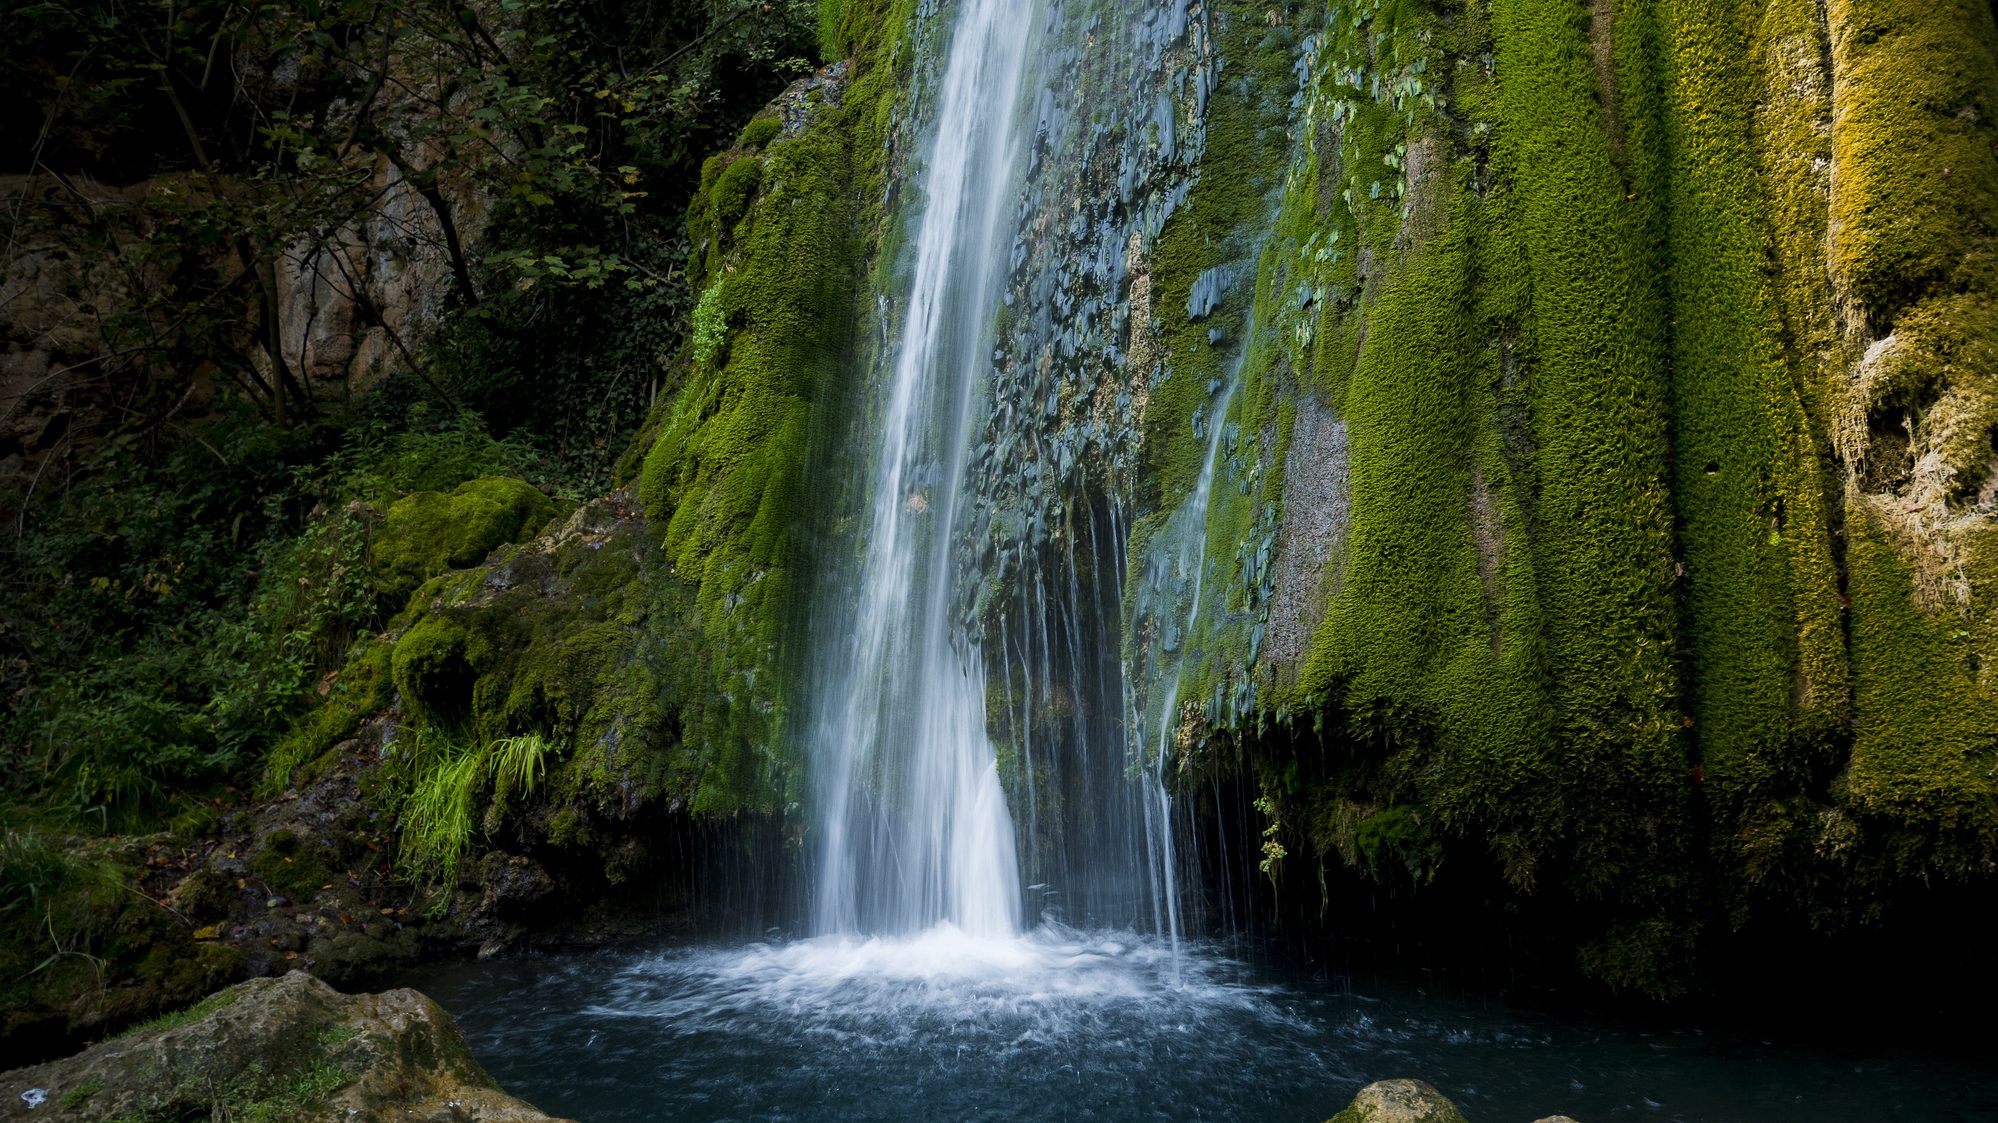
710,327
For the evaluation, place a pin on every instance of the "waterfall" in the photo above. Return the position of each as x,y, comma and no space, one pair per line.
914,828
971,661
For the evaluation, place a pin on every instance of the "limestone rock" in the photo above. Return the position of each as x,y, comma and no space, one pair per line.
290,1048
1400,1101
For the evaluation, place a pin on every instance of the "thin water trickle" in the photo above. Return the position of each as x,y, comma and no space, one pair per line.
1176,570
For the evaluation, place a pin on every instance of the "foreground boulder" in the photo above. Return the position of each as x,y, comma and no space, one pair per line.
276,1050
1408,1101
1400,1101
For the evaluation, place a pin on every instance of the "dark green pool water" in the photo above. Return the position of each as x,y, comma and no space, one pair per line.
1113,1027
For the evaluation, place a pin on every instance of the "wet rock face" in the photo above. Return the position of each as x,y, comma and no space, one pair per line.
290,1048
1317,502
1400,1101
302,880
514,887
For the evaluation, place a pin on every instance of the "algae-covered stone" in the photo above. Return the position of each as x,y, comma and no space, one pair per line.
291,864
282,1049
432,532
1400,1101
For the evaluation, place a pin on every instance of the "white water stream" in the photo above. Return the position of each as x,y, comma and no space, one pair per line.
913,826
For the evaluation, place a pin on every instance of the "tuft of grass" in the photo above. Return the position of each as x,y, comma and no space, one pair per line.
448,780
437,815
173,1019
518,763
295,1097
78,1096
335,1036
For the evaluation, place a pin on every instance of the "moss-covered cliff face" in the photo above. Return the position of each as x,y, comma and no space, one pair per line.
1616,486
1600,404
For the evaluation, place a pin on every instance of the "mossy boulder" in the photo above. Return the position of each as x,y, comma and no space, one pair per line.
433,532
437,664
291,865
128,957
289,1048
1400,1101
759,132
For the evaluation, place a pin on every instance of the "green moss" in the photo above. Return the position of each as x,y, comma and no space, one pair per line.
1217,229
1646,956
220,1000
832,32
1433,628
1792,139
734,191
1400,1103
725,475
291,865
76,1097
710,326
293,1096
361,690
1917,102
1397,843
438,663
1925,746
1467,268
1770,682
1578,270
430,533
759,132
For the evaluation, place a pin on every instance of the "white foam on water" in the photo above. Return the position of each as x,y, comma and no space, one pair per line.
1046,986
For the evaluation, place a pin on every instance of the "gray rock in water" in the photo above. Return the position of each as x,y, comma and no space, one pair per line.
1556,1119
281,1049
1400,1101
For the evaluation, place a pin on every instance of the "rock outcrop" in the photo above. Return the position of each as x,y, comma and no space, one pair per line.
1408,1101
289,1048
1399,1101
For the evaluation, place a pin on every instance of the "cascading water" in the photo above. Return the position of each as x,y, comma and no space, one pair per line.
990,555
914,826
